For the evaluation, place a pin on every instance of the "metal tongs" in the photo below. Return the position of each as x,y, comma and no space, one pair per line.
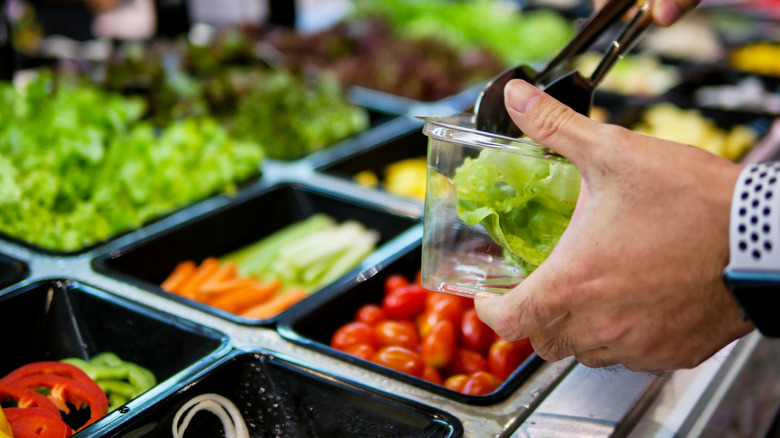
558,78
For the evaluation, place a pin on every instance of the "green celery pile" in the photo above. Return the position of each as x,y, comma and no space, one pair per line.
513,35
307,254
77,165
525,203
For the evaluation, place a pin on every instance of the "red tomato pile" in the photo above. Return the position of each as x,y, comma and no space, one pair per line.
41,416
431,335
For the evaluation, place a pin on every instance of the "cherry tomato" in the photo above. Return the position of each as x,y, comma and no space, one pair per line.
353,333
439,347
456,382
467,362
431,374
480,383
400,359
401,333
405,303
504,356
425,322
362,351
475,334
395,282
449,307
435,297
371,314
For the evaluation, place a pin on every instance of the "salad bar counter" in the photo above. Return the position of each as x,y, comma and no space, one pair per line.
222,235
283,372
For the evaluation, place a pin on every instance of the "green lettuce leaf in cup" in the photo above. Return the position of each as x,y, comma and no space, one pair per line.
525,203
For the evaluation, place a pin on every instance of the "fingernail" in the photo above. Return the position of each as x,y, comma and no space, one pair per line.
668,13
520,95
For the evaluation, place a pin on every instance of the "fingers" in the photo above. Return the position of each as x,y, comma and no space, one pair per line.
550,123
664,12
529,307
667,12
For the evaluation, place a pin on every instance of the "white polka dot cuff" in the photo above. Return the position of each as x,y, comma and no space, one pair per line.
754,229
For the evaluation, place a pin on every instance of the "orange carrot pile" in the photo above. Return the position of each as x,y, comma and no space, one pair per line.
219,285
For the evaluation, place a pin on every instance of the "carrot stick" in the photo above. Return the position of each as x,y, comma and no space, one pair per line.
223,273
237,300
275,305
178,276
211,289
207,268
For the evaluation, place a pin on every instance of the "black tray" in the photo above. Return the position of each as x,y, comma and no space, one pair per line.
55,319
409,144
281,398
313,323
149,261
11,271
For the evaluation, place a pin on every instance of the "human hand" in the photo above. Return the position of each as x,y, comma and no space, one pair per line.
636,277
664,12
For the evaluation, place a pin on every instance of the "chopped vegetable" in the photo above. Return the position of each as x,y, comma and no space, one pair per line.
689,126
77,165
219,285
514,35
121,380
524,202
25,398
369,54
293,118
66,386
635,75
405,178
37,423
759,57
232,422
263,279
275,305
307,254
5,426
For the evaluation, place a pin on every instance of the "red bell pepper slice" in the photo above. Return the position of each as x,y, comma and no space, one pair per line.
36,423
26,398
61,369
66,390
13,413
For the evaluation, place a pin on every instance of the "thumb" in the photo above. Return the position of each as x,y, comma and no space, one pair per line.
551,123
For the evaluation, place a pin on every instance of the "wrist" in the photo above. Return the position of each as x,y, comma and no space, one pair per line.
753,273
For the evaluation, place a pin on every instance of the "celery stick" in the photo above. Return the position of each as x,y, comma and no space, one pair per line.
257,257
329,245
360,249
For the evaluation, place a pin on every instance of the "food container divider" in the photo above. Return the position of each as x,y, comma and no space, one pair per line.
61,318
279,396
148,262
12,271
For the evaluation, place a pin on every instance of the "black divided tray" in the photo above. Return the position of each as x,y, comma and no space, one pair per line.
279,397
11,271
148,262
409,144
313,324
55,319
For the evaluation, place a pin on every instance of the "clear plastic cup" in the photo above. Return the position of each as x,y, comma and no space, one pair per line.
494,207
